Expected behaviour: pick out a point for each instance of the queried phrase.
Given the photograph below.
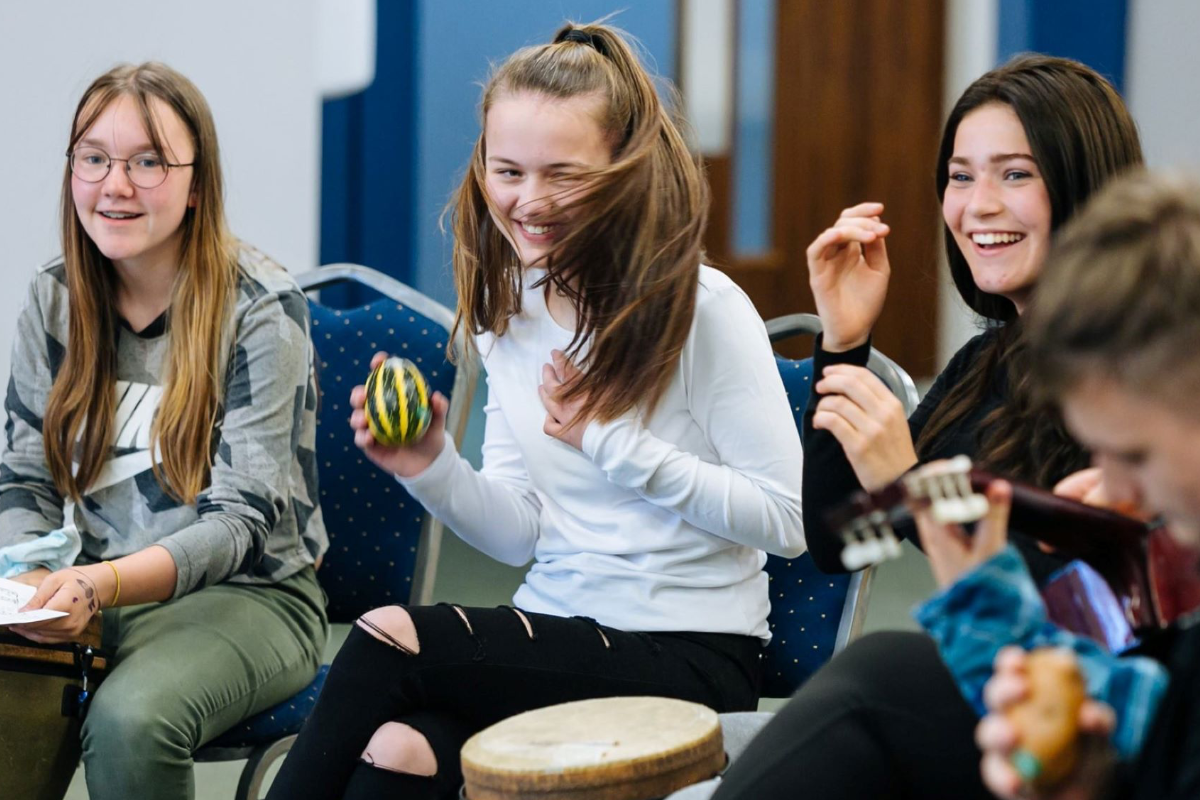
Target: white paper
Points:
(13, 595)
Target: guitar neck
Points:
(1078, 529)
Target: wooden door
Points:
(857, 116)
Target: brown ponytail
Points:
(630, 264)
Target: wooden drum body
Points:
(39, 745)
(619, 748)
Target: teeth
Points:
(117, 215)
(536, 230)
(996, 238)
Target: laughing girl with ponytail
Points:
(639, 448)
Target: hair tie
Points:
(582, 37)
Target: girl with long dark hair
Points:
(1023, 149)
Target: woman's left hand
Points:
(73, 590)
(952, 551)
(868, 421)
(562, 417)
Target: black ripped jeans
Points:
(470, 674)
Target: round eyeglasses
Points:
(145, 170)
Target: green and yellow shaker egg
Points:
(397, 403)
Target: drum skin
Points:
(618, 748)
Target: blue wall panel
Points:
(1091, 31)
(368, 158)
(753, 168)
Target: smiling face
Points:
(537, 149)
(1148, 450)
(134, 227)
(996, 204)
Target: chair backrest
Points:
(814, 615)
(383, 545)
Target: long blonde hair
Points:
(630, 261)
(82, 400)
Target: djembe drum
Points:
(44, 689)
(618, 748)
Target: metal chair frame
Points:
(858, 593)
(891, 373)
(259, 759)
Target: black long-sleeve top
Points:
(829, 479)
(1169, 766)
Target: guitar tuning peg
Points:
(977, 506)
(891, 545)
(948, 510)
(872, 551)
(971, 508)
(852, 556)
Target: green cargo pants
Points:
(189, 669)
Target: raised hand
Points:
(403, 461)
(868, 421)
(848, 272)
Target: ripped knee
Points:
(400, 748)
(525, 621)
(392, 625)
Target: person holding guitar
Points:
(1023, 148)
(1112, 340)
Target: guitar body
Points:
(1173, 575)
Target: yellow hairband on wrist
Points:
(117, 575)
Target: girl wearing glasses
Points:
(639, 447)
(159, 414)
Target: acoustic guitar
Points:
(1152, 579)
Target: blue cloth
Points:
(996, 605)
(56, 550)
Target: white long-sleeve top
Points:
(660, 523)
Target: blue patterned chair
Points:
(383, 546)
(814, 615)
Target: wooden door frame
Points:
(858, 93)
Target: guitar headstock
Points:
(946, 487)
(867, 521)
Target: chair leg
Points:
(255, 771)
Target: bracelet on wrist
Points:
(117, 575)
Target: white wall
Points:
(254, 61)
(1162, 80)
(972, 32)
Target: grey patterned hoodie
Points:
(258, 521)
